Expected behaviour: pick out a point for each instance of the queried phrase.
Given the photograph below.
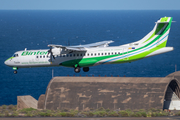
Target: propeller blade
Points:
(53, 56)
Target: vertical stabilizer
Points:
(159, 33)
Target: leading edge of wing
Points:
(83, 47)
(97, 44)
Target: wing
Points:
(83, 47)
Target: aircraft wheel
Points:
(85, 69)
(77, 69)
(15, 71)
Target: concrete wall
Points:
(26, 102)
(84, 93)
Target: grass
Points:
(11, 111)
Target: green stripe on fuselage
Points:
(141, 55)
(10, 58)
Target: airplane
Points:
(99, 53)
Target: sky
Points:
(89, 4)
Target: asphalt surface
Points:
(105, 118)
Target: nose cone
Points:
(6, 62)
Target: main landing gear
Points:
(77, 69)
(85, 69)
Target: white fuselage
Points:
(41, 58)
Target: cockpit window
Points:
(15, 55)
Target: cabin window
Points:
(81, 54)
(101, 53)
(77, 54)
(84, 54)
(70, 55)
(94, 54)
(98, 53)
(40, 56)
(119, 53)
(63, 55)
(36, 56)
(115, 53)
(108, 53)
(88, 54)
(112, 53)
(43, 56)
(91, 54)
(67, 55)
(74, 55)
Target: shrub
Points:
(177, 114)
(14, 108)
(149, 114)
(143, 113)
(90, 114)
(164, 113)
(113, 114)
(84, 114)
(123, 113)
(29, 114)
(74, 112)
(2, 115)
(6, 113)
(63, 114)
(36, 112)
(70, 114)
(15, 114)
(26, 110)
(10, 107)
(100, 113)
(46, 113)
(136, 114)
(4, 106)
(154, 114)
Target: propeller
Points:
(51, 53)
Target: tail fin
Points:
(159, 33)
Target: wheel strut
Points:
(77, 69)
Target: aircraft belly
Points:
(87, 62)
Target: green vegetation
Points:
(11, 111)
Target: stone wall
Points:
(85, 93)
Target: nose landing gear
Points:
(15, 70)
